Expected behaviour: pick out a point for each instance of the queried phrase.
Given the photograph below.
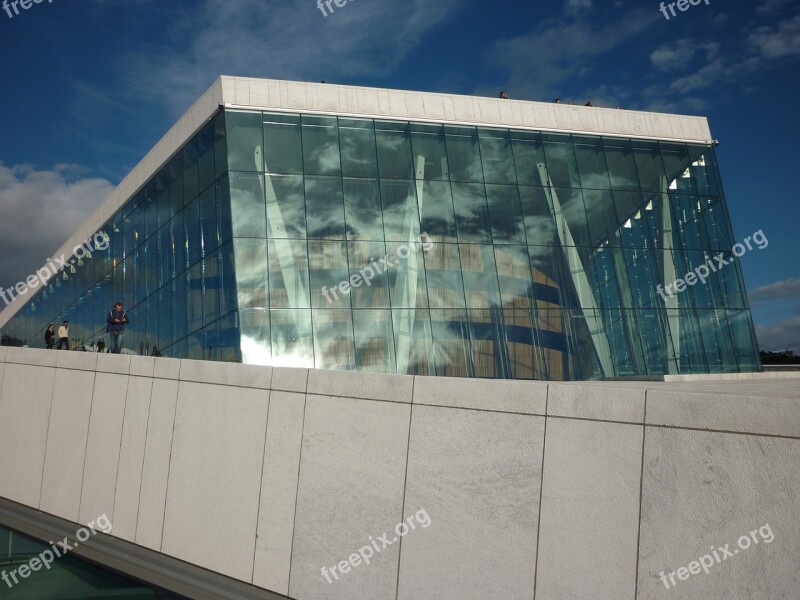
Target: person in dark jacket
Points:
(117, 319)
(50, 337)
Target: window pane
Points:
(292, 342)
(430, 154)
(497, 157)
(284, 149)
(327, 263)
(288, 274)
(400, 215)
(464, 154)
(592, 163)
(561, 166)
(333, 339)
(244, 141)
(505, 213)
(190, 171)
(394, 150)
(362, 206)
(205, 156)
(321, 146)
(472, 212)
(251, 273)
(438, 216)
(359, 154)
(286, 206)
(621, 164)
(325, 208)
(374, 341)
(247, 205)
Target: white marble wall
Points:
(532, 490)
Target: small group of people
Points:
(589, 103)
(116, 321)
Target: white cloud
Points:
(41, 209)
(280, 40)
(771, 7)
(781, 41)
(671, 57)
(541, 60)
(788, 288)
(574, 7)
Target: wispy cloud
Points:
(779, 41)
(280, 40)
(788, 288)
(539, 62)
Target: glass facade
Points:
(403, 247)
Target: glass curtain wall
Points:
(400, 247)
(389, 246)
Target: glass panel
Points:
(288, 274)
(292, 343)
(325, 208)
(362, 206)
(528, 155)
(195, 289)
(400, 214)
(359, 154)
(205, 156)
(176, 184)
(255, 337)
(244, 141)
(430, 154)
(514, 275)
(248, 205)
(450, 334)
(286, 206)
(190, 171)
(471, 212)
(497, 156)
(443, 270)
(540, 227)
(591, 163)
(365, 259)
(374, 341)
(394, 150)
(321, 146)
(649, 166)
(505, 213)
(333, 339)
(220, 145)
(207, 209)
(227, 281)
(621, 164)
(251, 273)
(330, 286)
(480, 276)
(438, 216)
(464, 154)
(561, 166)
(284, 148)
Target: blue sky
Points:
(89, 86)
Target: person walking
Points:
(117, 319)
(50, 337)
(63, 336)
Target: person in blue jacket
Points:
(117, 319)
